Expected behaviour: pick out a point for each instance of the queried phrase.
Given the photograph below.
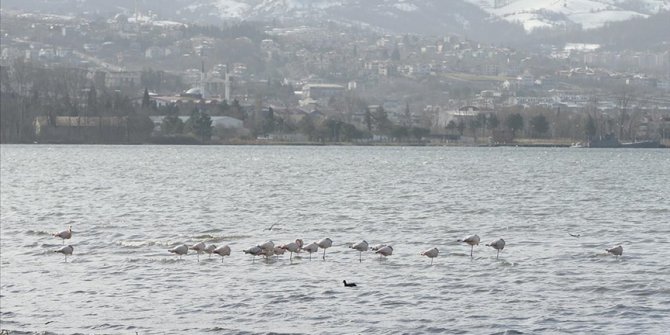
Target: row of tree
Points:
(266, 122)
(332, 130)
(28, 92)
(199, 124)
(478, 125)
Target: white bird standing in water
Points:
(210, 249)
(254, 251)
(268, 253)
(377, 247)
(267, 249)
(278, 250)
(311, 248)
(472, 240)
(617, 251)
(199, 248)
(360, 246)
(65, 234)
(291, 247)
(385, 251)
(431, 253)
(222, 251)
(66, 250)
(268, 246)
(325, 244)
(179, 250)
(498, 244)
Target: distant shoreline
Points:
(522, 144)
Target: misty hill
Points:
(641, 33)
(491, 21)
(418, 17)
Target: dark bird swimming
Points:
(349, 284)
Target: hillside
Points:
(491, 21)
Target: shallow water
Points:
(128, 204)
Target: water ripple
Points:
(128, 205)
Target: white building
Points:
(322, 91)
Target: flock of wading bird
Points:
(268, 249)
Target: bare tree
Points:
(623, 100)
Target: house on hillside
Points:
(322, 91)
(464, 114)
(122, 79)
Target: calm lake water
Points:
(128, 204)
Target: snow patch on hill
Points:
(406, 7)
(589, 14)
